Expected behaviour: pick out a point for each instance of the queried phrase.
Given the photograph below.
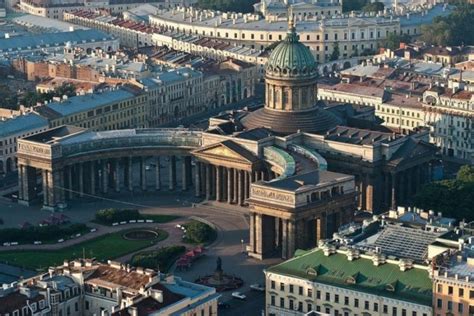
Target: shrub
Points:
(198, 232)
(113, 215)
(44, 233)
(161, 259)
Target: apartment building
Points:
(86, 288)
(347, 282)
(15, 125)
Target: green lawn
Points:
(106, 247)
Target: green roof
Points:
(387, 280)
(291, 57)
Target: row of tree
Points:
(31, 98)
(455, 197)
(453, 30)
(244, 6)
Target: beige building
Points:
(347, 282)
(112, 109)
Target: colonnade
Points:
(95, 177)
(225, 184)
(391, 188)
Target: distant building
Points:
(86, 288)
(55, 42)
(15, 125)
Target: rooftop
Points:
(386, 280)
(22, 123)
(307, 180)
(85, 102)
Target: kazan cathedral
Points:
(300, 168)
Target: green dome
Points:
(291, 58)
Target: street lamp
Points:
(242, 243)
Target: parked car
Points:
(257, 287)
(239, 295)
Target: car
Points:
(257, 287)
(239, 295)
(223, 305)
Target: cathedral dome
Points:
(291, 58)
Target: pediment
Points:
(225, 151)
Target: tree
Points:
(354, 5)
(452, 30)
(466, 174)
(452, 197)
(31, 98)
(374, 7)
(393, 40)
(335, 52)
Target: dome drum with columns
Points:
(291, 88)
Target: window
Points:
(272, 300)
(272, 285)
(450, 305)
(336, 298)
(460, 308)
(461, 292)
(346, 300)
(385, 309)
(87, 305)
(356, 302)
(394, 311)
(309, 307)
(292, 304)
(439, 303)
(300, 306)
(291, 288)
(282, 302)
(366, 305)
(282, 286)
(450, 288)
(310, 292)
(328, 297)
(404, 312)
(376, 307)
(471, 294)
(300, 290)
(318, 295)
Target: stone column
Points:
(236, 186)
(172, 173)
(129, 173)
(21, 176)
(284, 239)
(224, 183)
(230, 185)
(197, 179)
(184, 174)
(241, 188)
(70, 193)
(208, 181)
(218, 183)
(277, 232)
(44, 175)
(387, 190)
(417, 179)
(92, 171)
(143, 173)
(363, 196)
(116, 175)
(410, 173)
(81, 179)
(258, 234)
(252, 233)
(246, 184)
(105, 177)
(321, 227)
(291, 238)
(394, 191)
(157, 174)
(369, 193)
